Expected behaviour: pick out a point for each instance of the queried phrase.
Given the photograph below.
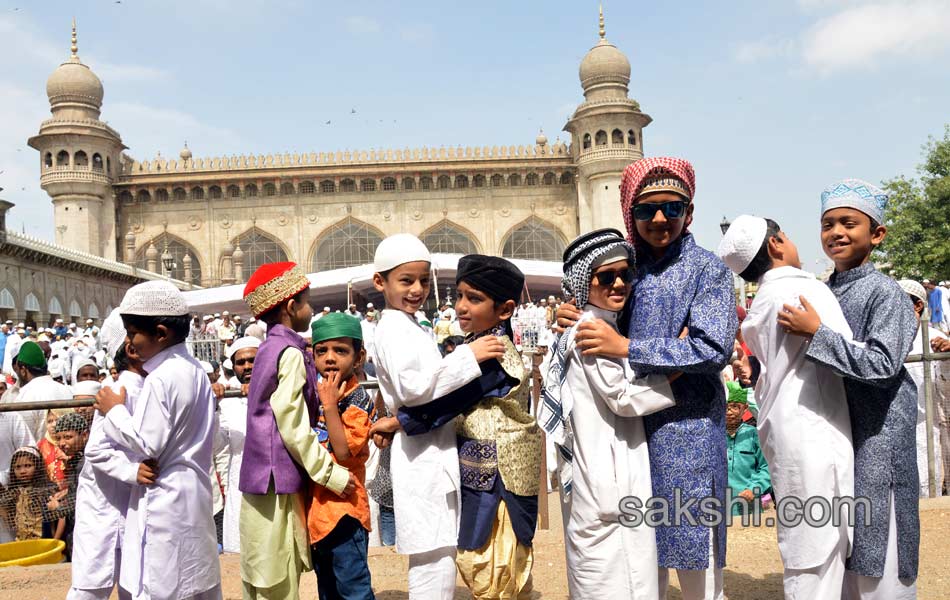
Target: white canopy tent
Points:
(334, 288)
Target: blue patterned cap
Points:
(857, 194)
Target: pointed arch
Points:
(259, 247)
(93, 311)
(449, 238)
(177, 247)
(31, 303)
(534, 239)
(347, 243)
(7, 301)
(74, 309)
(55, 306)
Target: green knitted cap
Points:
(31, 355)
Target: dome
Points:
(542, 139)
(151, 253)
(185, 153)
(604, 64)
(73, 81)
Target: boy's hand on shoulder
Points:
(330, 389)
(107, 399)
(487, 348)
(799, 321)
(596, 337)
(148, 472)
(567, 316)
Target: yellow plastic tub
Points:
(31, 552)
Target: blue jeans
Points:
(387, 525)
(340, 563)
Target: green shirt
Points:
(747, 467)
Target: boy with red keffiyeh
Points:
(677, 284)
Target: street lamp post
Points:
(168, 261)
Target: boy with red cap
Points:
(282, 453)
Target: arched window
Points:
(177, 248)
(531, 179)
(632, 137)
(62, 158)
(461, 181)
(6, 300)
(549, 178)
(368, 185)
(389, 184)
(125, 197)
(425, 183)
(478, 181)
(586, 141)
(80, 159)
(327, 186)
(534, 240)
(234, 191)
(347, 185)
(55, 307)
(307, 187)
(142, 196)
(497, 180)
(214, 192)
(75, 311)
(161, 194)
(259, 248)
(179, 194)
(616, 137)
(97, 162)
(32, 304)
(93, 311)
(408, 183)
(48, 159)
(448, 238)
(287, 188)
(346, 244)
(270, 189)
(250, 190)
(514, 180)
(567, 178)
(600, 138)
(445, 182)
(197, 193)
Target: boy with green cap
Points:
(748, 471)
(338, 526)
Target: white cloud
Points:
(763, 50)
(360, 24)
(862, 35)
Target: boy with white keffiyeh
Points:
(592, 409)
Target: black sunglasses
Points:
(607, 278)
(674, 209)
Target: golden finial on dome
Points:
(74, 48)
(603, 33)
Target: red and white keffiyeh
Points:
(638, 173)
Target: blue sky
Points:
(770, 99)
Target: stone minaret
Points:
(606, 132)
(79, 159)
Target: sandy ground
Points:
(753, 571)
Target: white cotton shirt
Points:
(916, 371)
(170, 547)
(102, 498)
(803, 422)
(425, 467)
(232, 432)
(37, 390)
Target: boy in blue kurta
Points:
(677, 284)
(882, 396)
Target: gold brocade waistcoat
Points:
(508, 423)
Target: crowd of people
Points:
(658, 390)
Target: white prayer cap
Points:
(207, 367)
(913, 288)
(236, 317)
(398, 250)
(925, 281)
(225, 314)
(72, 325)
(216, 315)
(86, 388)
(20, 326)
(55, 367)
(112, 333)
(254, 331)
(248, 341)
(227, 364)
(89, 321)
(157, 298)
(742, 242)
(326, 309)
(42, 338)
(369, 305)
(59, 320)
(83, 363)
(208, 317)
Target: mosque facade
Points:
(215, 219)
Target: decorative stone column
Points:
(130, 248)
(227, 276)
(238, 259)
(151, 258)
(186, 265)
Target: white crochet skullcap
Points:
(227, 364)
(742, 242)
(248, 341)
(112, 333)
(86, 388)
(913, 288)
(157, 298)
(207, 367)
(55, 367)
(399, 249)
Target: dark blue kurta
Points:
(882, 400)
(688, 287)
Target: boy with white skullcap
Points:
(169, 540)
(412, 372)
(803, 421)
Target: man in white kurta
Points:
(37, 389)
(169, 550)
(102, 499)
(605, 558)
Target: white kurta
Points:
(102, 498)
(606, 559)
(37, 390)
(916, 371)
(803, 421)
(425, 468)
(10, 351)
(233, 428)
(170, 548)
